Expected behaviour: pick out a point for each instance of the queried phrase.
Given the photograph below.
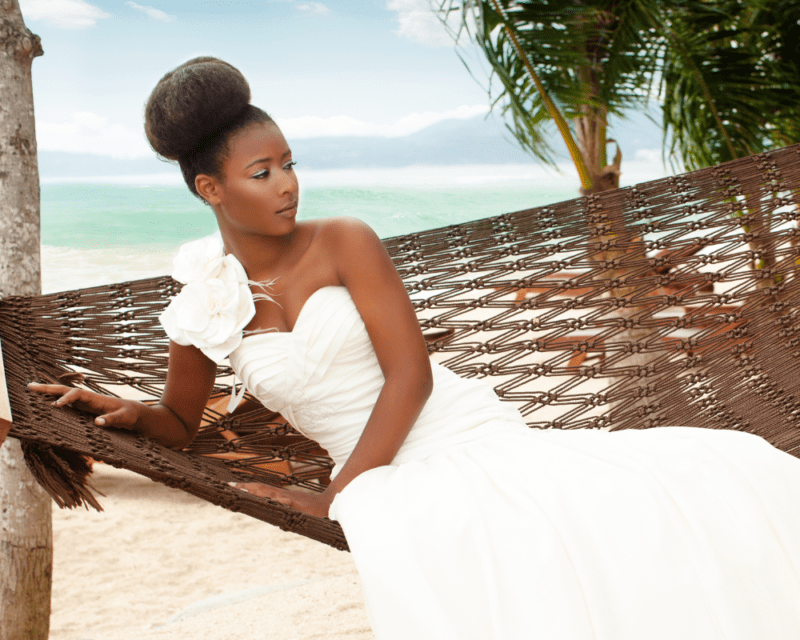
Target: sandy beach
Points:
(159, 564)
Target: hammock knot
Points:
(697, 225)
(601, 230)
(595, 400)
(644, 371)
(627, 323)
(689, 345)
(750, 236)
(681, 323)
(646, 391)
(642, 411)
(540, 369)
(130, 353)
(545, 398)
(121, 304)
(171, 290)
(741, 348)
(634, 347)
(577, 323)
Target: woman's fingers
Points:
(66, 395)
(111, 412)
(49, 389)
(265, 491)
(256, 488)
(315, 504)
(73, 395)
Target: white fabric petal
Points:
(169, 321)
(198, 260)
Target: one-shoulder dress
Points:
(482, 528)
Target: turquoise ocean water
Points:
(101, 233)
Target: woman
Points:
(463, 522)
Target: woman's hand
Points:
(315, 504)
(110, 412)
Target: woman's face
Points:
(258, 193)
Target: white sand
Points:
(161, 564)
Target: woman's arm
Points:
(382, 301)
(364, 267)
(173, 422)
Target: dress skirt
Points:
(662, 534)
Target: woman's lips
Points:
(288, 212)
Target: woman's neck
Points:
(262, 257)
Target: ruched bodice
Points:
(484, 529)
(324, 377)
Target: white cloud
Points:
(418, 22)
(317, 8)
(649, 155)
(88, 132)
(318, 127)
(152, 12)
(67, 14)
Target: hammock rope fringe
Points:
(674, 302)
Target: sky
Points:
(335, 68)
(339, 67)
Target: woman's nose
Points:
(288, 181)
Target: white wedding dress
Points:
(482, 528)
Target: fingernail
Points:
(233, 484)
(100, 421)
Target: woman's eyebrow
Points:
(288, 152)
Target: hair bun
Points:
(190, 104)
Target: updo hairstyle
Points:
(192, 113)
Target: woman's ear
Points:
(208, 188)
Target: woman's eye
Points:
(261, 174)
(289, 165)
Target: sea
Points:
(106, 230)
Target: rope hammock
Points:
(674, 302)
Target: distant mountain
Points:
(475, 141)
(480, 140)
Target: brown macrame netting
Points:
(674, 302)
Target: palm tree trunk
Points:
(26, 541)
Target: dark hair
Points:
(194, 110)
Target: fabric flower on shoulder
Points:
(198, 260)
(215, 304)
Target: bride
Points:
(463, 523)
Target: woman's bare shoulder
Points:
(338, 245)
(344, 234)
(341, 227)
